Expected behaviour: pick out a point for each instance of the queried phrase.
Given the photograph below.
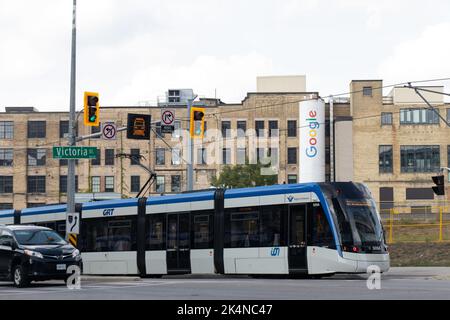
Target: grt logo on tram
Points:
(311, 150)
(108, 212)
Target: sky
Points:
(133, 51)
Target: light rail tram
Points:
(310, 229)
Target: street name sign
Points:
(74, 152)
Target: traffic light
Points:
(138, 126)
(91, 109)
(439, 189)
(197, 122)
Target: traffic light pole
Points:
(72, 119)
(190, 147)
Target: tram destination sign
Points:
(74, 152)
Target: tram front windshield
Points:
(356, 215)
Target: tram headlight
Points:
(76, 254)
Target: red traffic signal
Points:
(439, 181)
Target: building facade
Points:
(393, 144)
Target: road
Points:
(398, 283)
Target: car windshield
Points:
(38, 237)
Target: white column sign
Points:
(312, 141)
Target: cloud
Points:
(233, 76)
(424, 57)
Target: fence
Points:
(416, 221)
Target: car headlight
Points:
(76, 254)
(33, 254)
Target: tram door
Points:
(178, 250)
(297, 239)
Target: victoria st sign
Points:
(74, 152)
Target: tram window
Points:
(116, 234)
(202, 231)
(321, 231)
(271, 225)
(157, 233)
(119, 235)
(344, 226)
(244, 228)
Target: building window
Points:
(367, 91)
(6, 157)
(97, 160)
(135, 183)
(160, 156)
(176, 158)
(385, 159)
(420, 158)
(96, 130)
(292, 155)
(109, 157)
(201, 156)
(6, 184)
(259, 127)
(176, 129)
(158, 130)
(292, 178)
(226, 129)
(273, 155)
(160, 184)
(419, 116)
(386, 118)
(6, 206)
(37, 157)
(386, 199)
(135, 159)
(36, 129)
(448, 116)
(241, 128)
(241, 155)
(226, 156)
(109, 184)
(260, 155)
(273, 128)
(6, 130)
(63, 184)
(419, 194)
(292, 128)
(448, 161)
(176, 183)
(63, 129)
(36, 184)
(95, 184)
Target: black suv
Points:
(30, 253)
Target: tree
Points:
(242, 176)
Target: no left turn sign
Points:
(109, 131)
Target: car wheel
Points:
(20, 277)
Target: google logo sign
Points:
(313, 124)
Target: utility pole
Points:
(190, 147)
(72, 119)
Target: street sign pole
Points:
(72, 124)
